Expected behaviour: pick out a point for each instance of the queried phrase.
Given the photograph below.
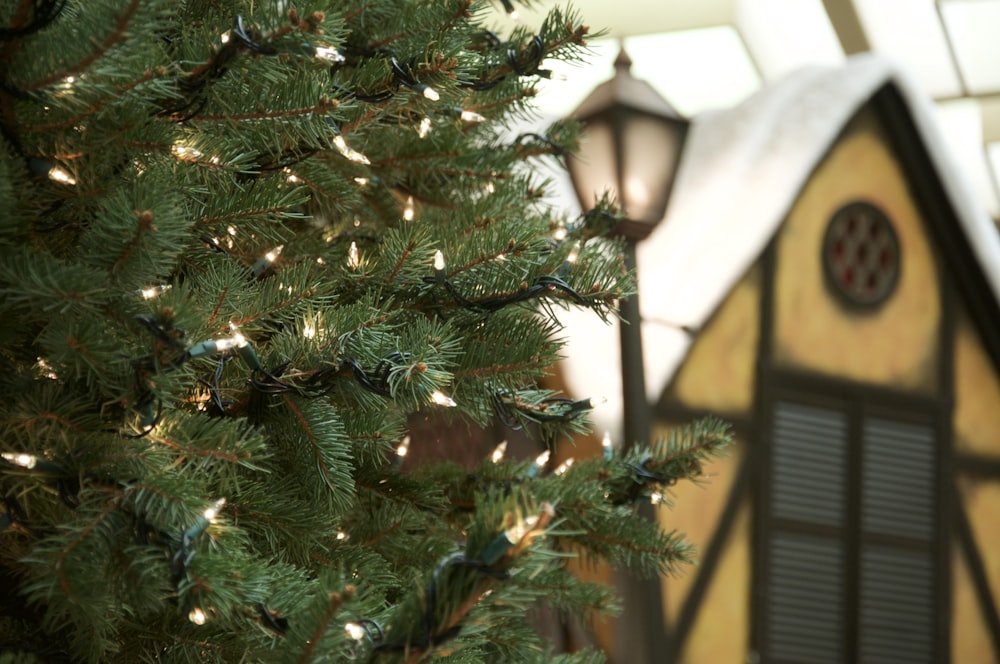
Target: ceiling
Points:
(705, 54)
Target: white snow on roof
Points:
(741, 171)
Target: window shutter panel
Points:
(805, 622)
(898, 471)
(897, 606)
(809, 467)
(897, 584)
(809, 464)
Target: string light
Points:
(308, 331)
(521, 528)
(28, 461)
(424, 128)
(341, 536)
(272, 255)
(329, 54)
(559, 234)
(574, 254)
(265, 261)
(539, 464)
(355, 631)
(404, 447)
(471, 116)
(429, 92)
(515, 534)
(186, 152)
(439, 263)
(290, 176)
(607, 446)
(213, 511)
(564, 466)
(224, 37)
(408, 210)
(353, 259)
(153, 291)
(58, 174)
(499, 451)
(65, 87)
(656, 498)
(197, 616)
(362, 181)
(47, 369)
(345, 150)
(236, 341)
(442, 399)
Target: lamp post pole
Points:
(631, 145)
(645, 639)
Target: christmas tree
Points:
(253, 253)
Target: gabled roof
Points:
(741, 171)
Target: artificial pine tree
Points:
(244, 242)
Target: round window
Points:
(861, 254)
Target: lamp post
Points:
(631, 145)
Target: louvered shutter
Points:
(896, 618)
(805, 594)
(806, 616)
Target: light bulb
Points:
(308, 331)
(656, 498)
(424, 128)
(272, 255)
(24, 460)
(224, 37)
(353, 259)
(213, 511)
(607, 446)
(564, 466)
(329, 54)
(355, 631)
(521, 528)
(57, 174)
(431, 93)
(349, 152)
(404, 446)
(438, 260)
(542, 458)
(442, 399)
(362, 181)
(341, 536)
(197, 616)
(408, 210)
(471, 116)
(574, 254)
(499, 451)
(153, 291)
(186, 152)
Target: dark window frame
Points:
(858, 401)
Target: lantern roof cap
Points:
(625, 90)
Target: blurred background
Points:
(824, 274)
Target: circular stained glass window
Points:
(861, 254)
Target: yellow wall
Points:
(976, 418)
(970, 636)
(896, 344)
(975, 423)
(719, 371)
